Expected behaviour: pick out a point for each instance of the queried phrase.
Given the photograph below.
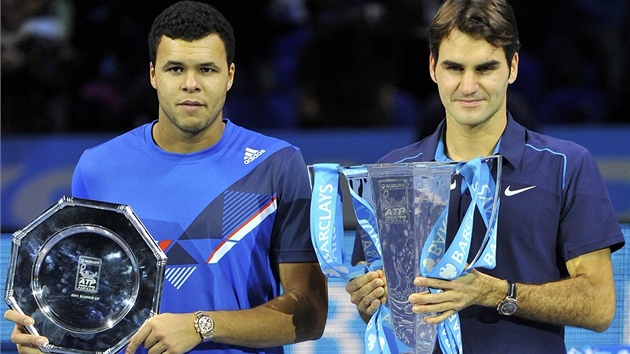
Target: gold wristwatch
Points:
(204, 326)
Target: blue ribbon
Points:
(327, 224)
(326, 211)
(365, 215)
(448, 264)
(380, 332)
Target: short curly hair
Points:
(190, 21)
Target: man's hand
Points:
(166, 333)
(368, 292)
(26, 343)
(473, 288)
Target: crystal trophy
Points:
(410, 202)
(89, 274)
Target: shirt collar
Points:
(513, 143)
(510, 146)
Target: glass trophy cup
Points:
(89, 274)
(408, 200)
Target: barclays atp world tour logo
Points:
(395, 200)
(88, 274)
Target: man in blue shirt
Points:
(556, 228)
(228, 206)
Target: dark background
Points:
(82, 65)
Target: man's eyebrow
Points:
(210, 63)
(179, 63)
(488, 63)
(451, 63)
(171, 63)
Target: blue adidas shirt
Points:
(554, 207)
(222, 215)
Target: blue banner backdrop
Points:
(36, 170)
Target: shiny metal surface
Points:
(88, 272)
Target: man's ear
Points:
(432, 67)
(513, 69)
(231, 76)
(152, 74)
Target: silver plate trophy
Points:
(89, 274)
(410, 202)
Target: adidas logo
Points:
(252, 154)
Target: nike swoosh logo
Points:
(509, 192)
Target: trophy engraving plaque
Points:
(89, 274)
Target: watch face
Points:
(206, 325)
(507, 308)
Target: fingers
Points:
(452, 296)
(132, 346)
(28, 349)
(361, 286)
(137, 339)
(426, 302)
(371, 307)
(21, 338)
(367, 291)
(18, 318)
(432, 320)
(355, 285)
(26, 342)
(433, 283)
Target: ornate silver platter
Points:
(89, 274)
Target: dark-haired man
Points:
(227, 205)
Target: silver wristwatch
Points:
(204, 326)
(508, 306)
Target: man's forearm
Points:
(577, 302)
(287, 319)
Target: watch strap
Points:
(509, 305)
(511, 293)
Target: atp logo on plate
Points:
(88, 272)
